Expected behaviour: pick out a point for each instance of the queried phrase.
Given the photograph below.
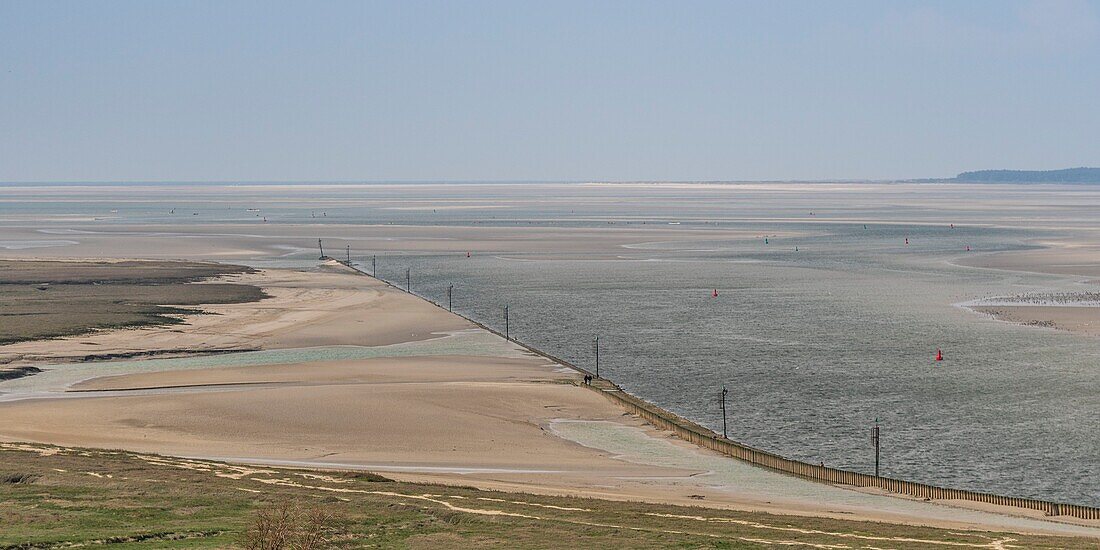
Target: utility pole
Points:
(322, 249)
(507, 336)
(374, 266)
(349, 254)
(875, 441)
(597, 346)
(725, 434)
(408, 280)
(450, 290)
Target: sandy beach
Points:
(429, 398)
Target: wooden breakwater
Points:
(699, 435)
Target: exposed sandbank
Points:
(1082, 320)
(221, 241)
(1072, 258)
(48, 299)
(491, 420)
(305, 309)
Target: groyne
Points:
(704, 437)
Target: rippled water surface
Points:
(814, 349)
(816, 336)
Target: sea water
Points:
(814, 350)
(815, 345)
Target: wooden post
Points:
(408, 280)
(349, 254)
(875, 441)
(374, 266)
(450, 291)
(725, 434)
(322, 249)
(597, 356)
(507, 335)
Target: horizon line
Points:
(464, 181)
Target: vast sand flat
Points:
(489, 422)
(306, 309)
(498, 419)
(266, 241)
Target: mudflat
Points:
(48, 299)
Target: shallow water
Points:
(813, 351)
(743, 479)
(814, 344)
(55, 379)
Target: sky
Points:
(513, 90)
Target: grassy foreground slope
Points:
(53, 497)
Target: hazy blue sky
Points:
(544, 90)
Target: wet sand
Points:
(220, 241)
(1081, 320)
(1079, 258)
(499, 418)
(318, 307)
(1070, 257)
(446, 413)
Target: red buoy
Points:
(467, 254)
(939, 355)
(715, 295)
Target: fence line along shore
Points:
(699, 435)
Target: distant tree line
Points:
(1067, 175)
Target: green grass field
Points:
(52, 497)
